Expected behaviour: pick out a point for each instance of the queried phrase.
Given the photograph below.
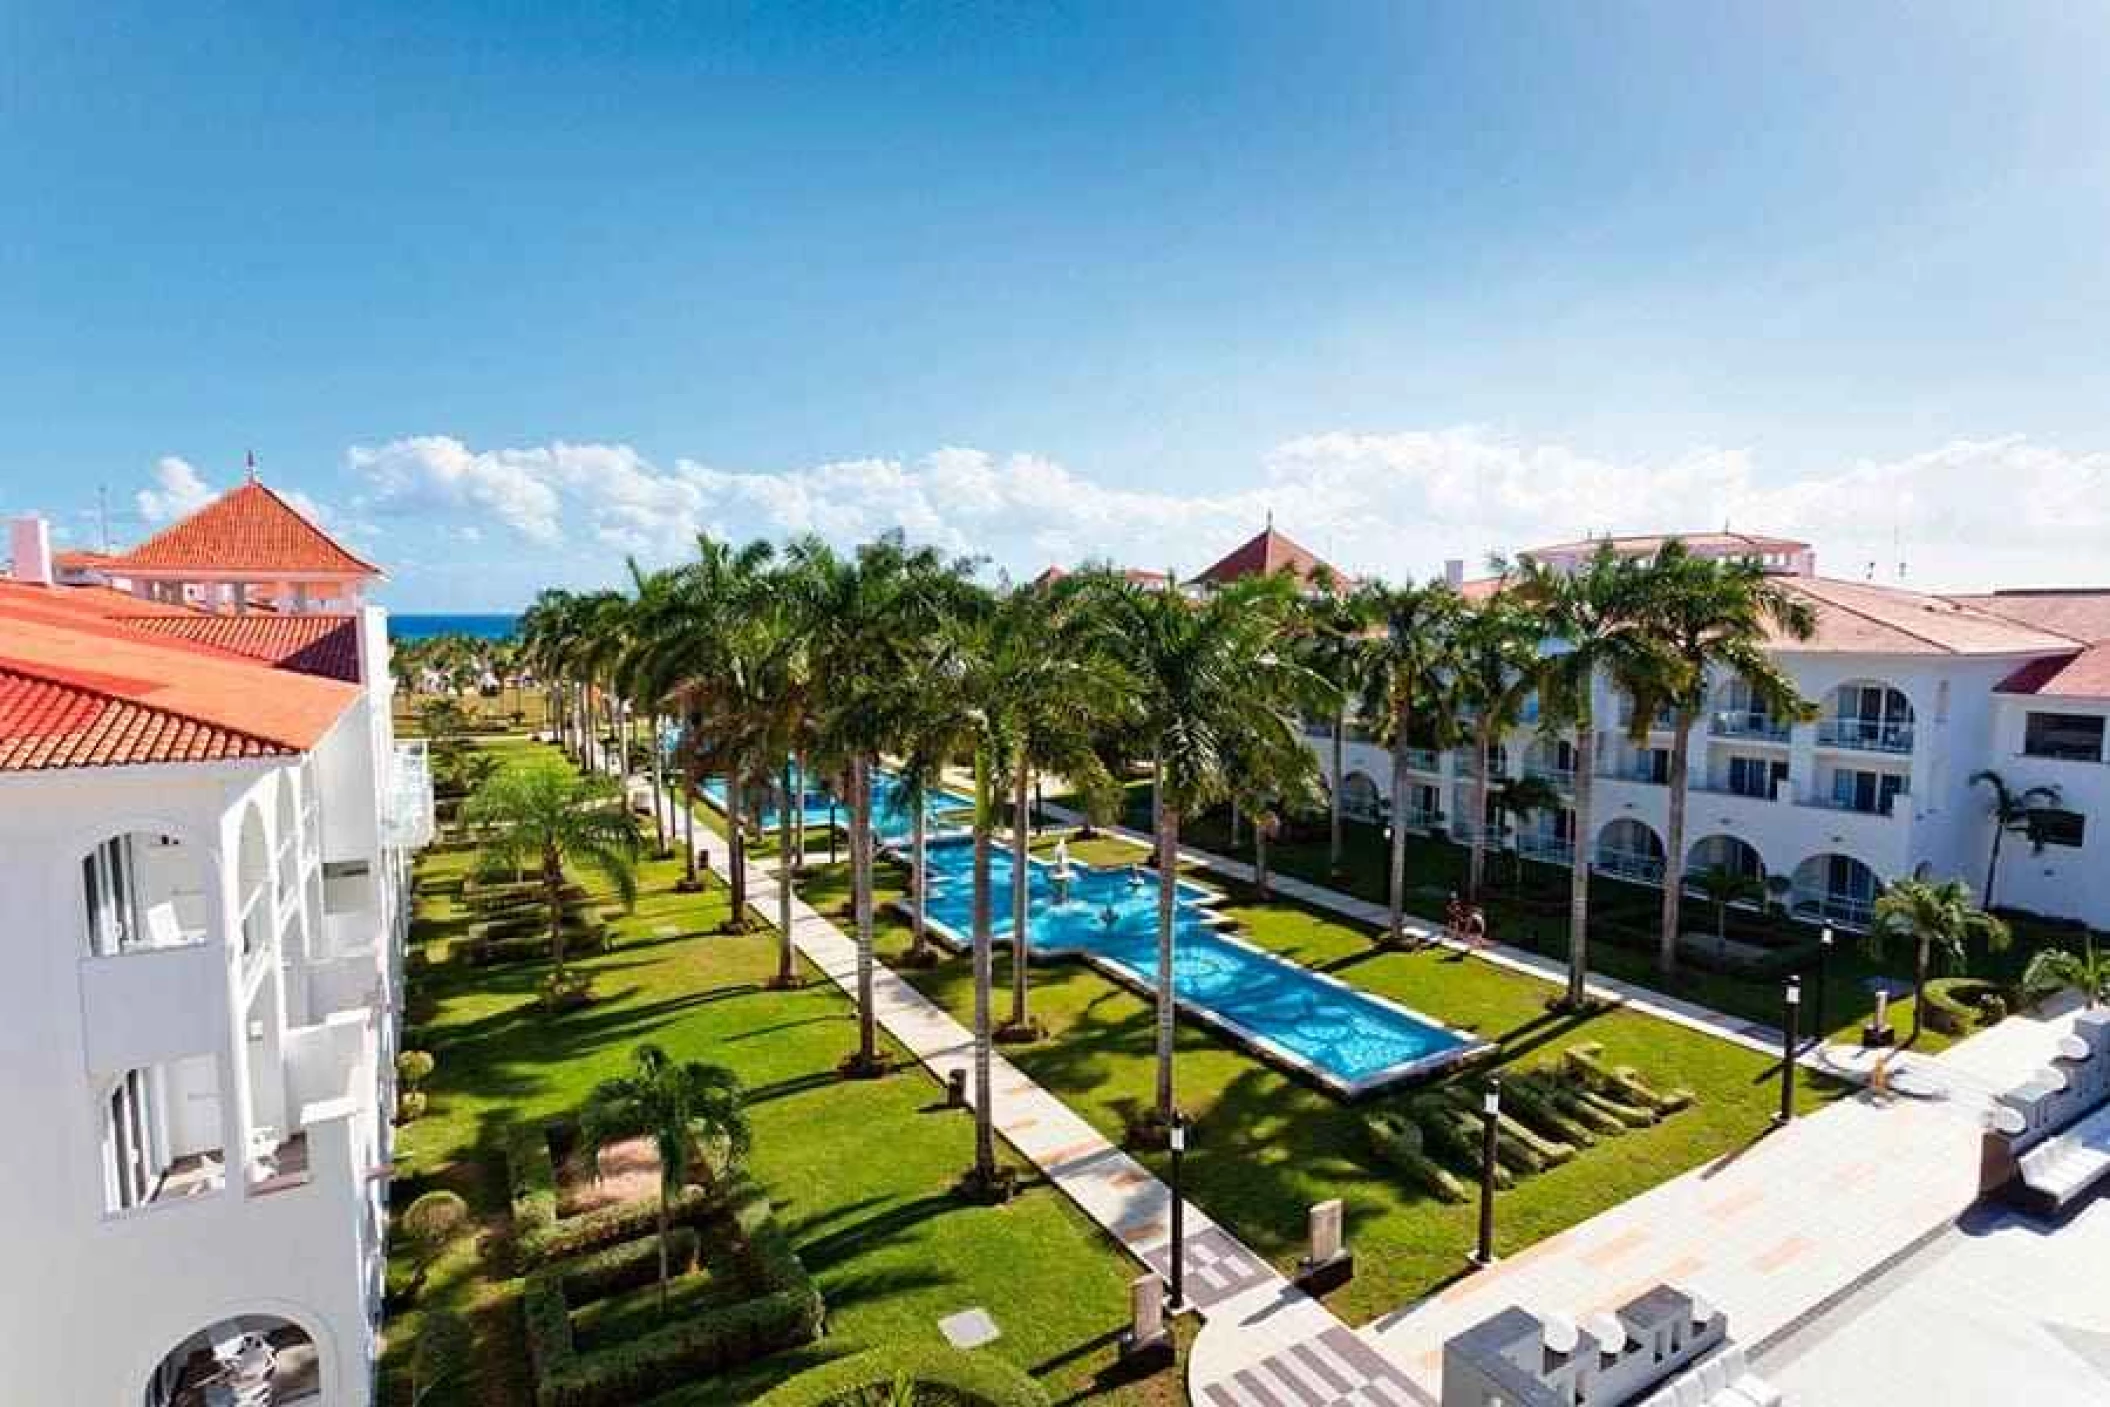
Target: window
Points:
(2056, 827)
(1756, 776)
(107, 885)
(2077, 737)
(1655, 765)
(1872, 792)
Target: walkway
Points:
(1770, 1234)
(1251, 1312)
(1750, 1034)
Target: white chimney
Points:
(31, 545)
(1454, 572)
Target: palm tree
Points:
(687, 1109)
(1206, 681)
(1404, 666)
(1493, 676)
(1711, 617)
(1521, 798)
(2020, 812)
(1595, 615)
(1270, 780)
(1939, 920)
(865, 615)
(2086, 971)
(1333, 629)
(542, 814)
(1724, 886)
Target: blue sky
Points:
(506, 294)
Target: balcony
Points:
(1549, 849)
(1750, 726)
(1463, 831)
(1422, 819)
(1883, 806)
(1636, 865)
(1865, 735)
(1665, 720)
(1469, 763)
(1562, 778)
(408, 822)
(1630, 772)
(1819, 906)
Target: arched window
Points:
(1835, 888)
(1360, 797)
(1629, 849)
(1722, 852)
(1869, 716)
(254, 1358)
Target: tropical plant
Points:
(1724, 886)
(541, 814)
(1712, 617)
(1332, 641)
(1206, 681)
(1940, 920)
(1596, 616)
(2017, 812)
(430, 1225)
(2087, 972)
(1518, 799)
(692, 1112)
(1404, 667)
(1493, 675)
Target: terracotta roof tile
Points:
(2081, 613)
(1863, 618)
(249, 529)
(48, 723)
(2077, 676)
(1699, 542)
(1264, 554)
(322, 645)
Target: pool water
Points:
(1347, 1038)
(892, 816)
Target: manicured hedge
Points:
(486, 946)
(968, 1379)
(1955, 1005)
(625, 1266)
(783, 1309)
(539, 1234)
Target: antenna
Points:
(252, 466)
(102, 514)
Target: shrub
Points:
(627, 1265)
(410, 1106)
(565, 992)
(414, 1067)
(968, 1379)
(440, 1354)
(1955, 1004)
(1397, 1141)
(785, 1309)
(539, 1235)
(430, 1226)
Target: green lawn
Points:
(859, 1171)
(1267, 1146)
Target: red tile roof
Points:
(2082, 613)
(1855, 617)
(1135, 576)
(1265, 554)
(1698, 542)
(2081, 676)
(46, 723)
(324, 646)
(250, 529)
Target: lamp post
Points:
(1824, 966)
(1178, 1135)
(1491, 1117)
(1791, 1005)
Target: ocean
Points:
(424, 627)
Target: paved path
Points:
(1769, 1234)
(1751, 1034)
(1251, 1313)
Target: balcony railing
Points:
(1883, 806)
(1535, 845)
(1629, 772)
(408, 824)
(1422, 819)
(1849, 910)
(1462, 832)
(1424, 759)
(1764, 727)
(1469, 763)
(1561, 777)
(1664, 721)
(1636, 865)
(1865, 734)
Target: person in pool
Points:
(1135, 875)
(1108, 916)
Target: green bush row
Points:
(626, 1265)
(783, 1309)
(540, 1235)
(968, 1379)
(485, 948)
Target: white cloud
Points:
(1396, 504)
(178, 491)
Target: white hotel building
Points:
(1918, 693)
(205, 826)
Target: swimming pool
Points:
(1346, 1039)
(892, 818)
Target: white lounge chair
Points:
(1745, 1384)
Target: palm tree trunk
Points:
(1333, 816)
(1992, 866)
(688, 828)
(1396, 878)
(553, 884)
(736, 848)
(1579, 870)
(861, 905)
(984, 1113)
(1260, 856)
(663, 1249)
(798, 822)
(918, 877)
(786, 868)
(1674, 843)
(659, 793)
(1920, 958)
(1234, 824)
(1021, 878)
(1476, 867)
(1168, 890)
